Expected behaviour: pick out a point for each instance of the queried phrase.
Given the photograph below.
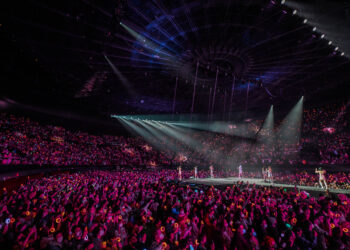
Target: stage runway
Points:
(259, 182)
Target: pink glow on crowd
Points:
(23, 141)
(143, 210)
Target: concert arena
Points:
(161, 125)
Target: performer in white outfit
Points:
(240, 172)
(322, 179)
(211, 169)
(195, 172)
(269, 174)
(180, 173)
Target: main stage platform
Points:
(258, 182)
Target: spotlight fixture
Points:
(283, 1)
(342, 54)
(314, 29)
(330, 42)
(336, 48)
(322, 36)
(294, 12)
(305, 20)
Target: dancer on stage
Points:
(240, 172)
(211, 169)
(180, 173)
(269, 174)
(195, 172)
(322, 179)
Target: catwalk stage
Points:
(259, 182)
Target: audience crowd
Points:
(142, 209)
(324, 129)
(327, 128)
(150, 210)
(23, 141)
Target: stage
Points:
(258, 182)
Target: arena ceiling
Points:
(79, 55)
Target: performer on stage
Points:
(180, 173)
(322, 179)
(240, 172)
(195, 172)
(211, 169)
(269, 174)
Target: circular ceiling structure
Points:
(125, 56)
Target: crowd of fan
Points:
(327, 128)
(23, 141)
(148, 210)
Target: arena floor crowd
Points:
(149, 210)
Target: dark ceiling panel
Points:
(257, 42)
